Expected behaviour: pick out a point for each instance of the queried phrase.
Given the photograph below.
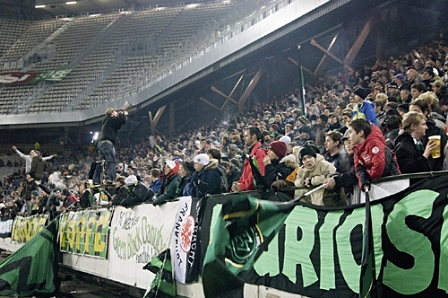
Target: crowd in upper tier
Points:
(382, 120)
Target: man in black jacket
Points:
(106, 150)
(137, 192)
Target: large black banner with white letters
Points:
(317, 251)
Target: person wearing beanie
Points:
(170, 183)
(273, 131)
(315, 170)
(137, 192)
(403, 108)
(276, 167)
(206, 179)
(363, 109)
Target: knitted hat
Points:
(305, 129)
(278, 147)
(306, 150)
(400, 77)
(392, 85)
(285, 139)
(275, 126)
(303, 119)
(35, 193)
(403, 107)
(324, 118)
(202, 159)
(130, 180)
(361, 92)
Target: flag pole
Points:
(301, 82)
(308, 193)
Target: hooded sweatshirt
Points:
(371, 155)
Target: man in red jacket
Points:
(256, 154)
(372, 158)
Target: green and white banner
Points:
(317, 251)
(52, 75)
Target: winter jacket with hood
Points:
(207, 181)
(169, 188)
(373, 159)
(256, 155)
(37, 168)
(321, 171)
(279, 169)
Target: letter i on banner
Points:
(367, 280)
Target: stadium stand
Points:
(106, 52)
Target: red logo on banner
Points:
(186, 233)
(17, 77)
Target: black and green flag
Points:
(244, 228)
(33, 269)
(163, 284)
(396, 246)
(367, 280)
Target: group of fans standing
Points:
(379, 121)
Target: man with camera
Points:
(106, 150)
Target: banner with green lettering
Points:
(25, 228)
(85, 232)
(52, 75)
(317, 251)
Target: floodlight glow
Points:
(70, 2)
(39, 6)
(192, 5)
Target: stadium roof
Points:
(70, 7)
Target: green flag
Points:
(367, 279)
(163, 284)
(33, 269)
(244, 228)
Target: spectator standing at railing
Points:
(170, 183)
(206, 179)
(315, 170)
(372, 158)
(86, 196)
(412, 156)
(277, 167)
(137, 192)
(255, 154)
(121, 191)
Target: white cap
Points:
(171, 164)
(202, 159)
(285, 139)
(131, 179)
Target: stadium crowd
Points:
(357, 126)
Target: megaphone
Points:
(126, 106)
